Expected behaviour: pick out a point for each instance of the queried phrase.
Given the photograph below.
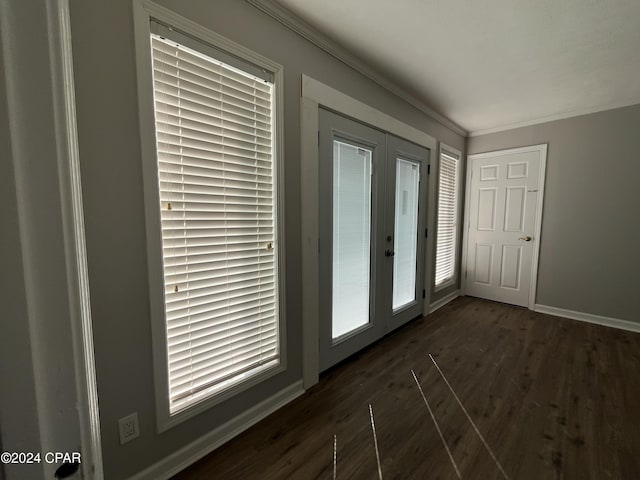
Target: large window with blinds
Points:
(217, 222)
(447, 222)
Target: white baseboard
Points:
(588, 317)
(443, 301)
(191, 453)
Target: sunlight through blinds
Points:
(215, 172)
(447, 218)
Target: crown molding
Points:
(320, 40)
(553, 118)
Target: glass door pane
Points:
(406, 232)
(351, 233)
(351, 237)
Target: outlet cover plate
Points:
(128, 428)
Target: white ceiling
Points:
(493, 64)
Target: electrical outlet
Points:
(128, 428)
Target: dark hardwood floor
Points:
(553, 398)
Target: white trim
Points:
(194, 451)
(310, 238)
(429, 260)
(450, 149)
(465, 228)
(64, 106)
(509, 151)
(538, 229)
(59, 405)
(542, 149)
(460, 214)
(443, 301)
(447, 283)
(339, 102)
(320, 40)
(552, 118)
(144, 12)
(589, 318)
(314, 95)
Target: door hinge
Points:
(466, 272)
(426, 233)
(318, 138)
(424, 293)
(429, 169)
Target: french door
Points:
(373, 193)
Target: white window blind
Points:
(215, 173)
(447, 218)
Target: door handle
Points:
(389, 253)
(526, 239)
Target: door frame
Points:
(542, 151)
(314, 95)
(56, 335)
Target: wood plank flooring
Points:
(553, 398)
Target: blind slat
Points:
(169, 49)
(242, 336)
(188, 336)
(214, 139)
(447, 218)
(213, 376)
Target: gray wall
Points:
(17, 432)
(589, 254)
(105, 78)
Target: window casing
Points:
(447, 218)
(212, 188)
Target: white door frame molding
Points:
(315, 95)
(74, 236)
(58, 339)
(542, 151)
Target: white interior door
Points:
(503, 221)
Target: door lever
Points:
(389, 253)
(526, 239)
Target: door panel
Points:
(487, 209)
(406, 219)
(502, 213)
(351, 192)
(510, 269)
(484, 260)
(372, 218)
(514, 209)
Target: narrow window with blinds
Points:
(447, 223)
(215, 156)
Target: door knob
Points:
(389, 253)
(526, 239)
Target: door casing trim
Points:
(542, 150)
(56, 334)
